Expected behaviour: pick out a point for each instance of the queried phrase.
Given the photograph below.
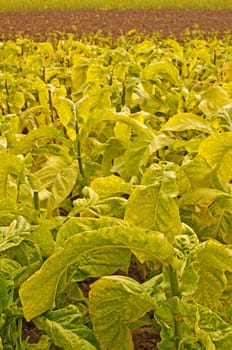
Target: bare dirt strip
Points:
(40, 24)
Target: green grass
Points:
(112, 4)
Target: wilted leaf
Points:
(95, 253)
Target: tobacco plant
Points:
(113, 157)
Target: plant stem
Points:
(174, 283)
(36, 200)
(7, 99)
(50, 105)
(79, 159)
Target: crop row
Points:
(112, 156)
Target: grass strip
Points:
(113, 4)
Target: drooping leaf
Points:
(44, 133)
(95, 253)
(152, 71)
(124, 302)
(80, 224)
(187, 121)
(203, 196)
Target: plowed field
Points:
(39, 24)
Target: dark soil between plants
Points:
(40, 24)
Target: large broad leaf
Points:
(62, 186)
(193, 175)
(124, 301)
(42, 235)
(143, 147)
(11, 167)
(213, 99)
(80, 224)
(66, 329)
(110, 185)
(187, 121)
(49, 171)
(210, 211)
(97, 73)
(78, 75)
(66, 112)
(113, 149)
(220, 228)
(204, 277)
(152, 71)
(44, 134)
(217, 150)
(112, 206)
(95, 253)
(203, 196)
(98, 99)
(154, 208)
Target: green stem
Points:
(50, 105)
(7, 99)
(174, 283)
(79, 159)
(36, 200)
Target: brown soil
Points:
(39, 24)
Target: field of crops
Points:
(115, 193)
